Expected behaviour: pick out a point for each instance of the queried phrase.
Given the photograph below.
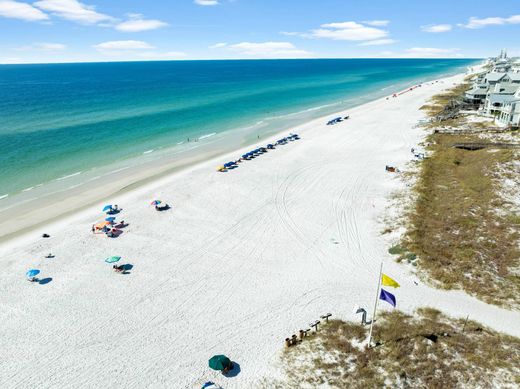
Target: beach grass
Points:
(460, 226)
(438, 102)
(464, 231)
(424, 350)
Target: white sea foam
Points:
(149, 151)
(388, 87)
(69, 176)
(3, 196)
(119, 170)
(28, 189)
(207, 135)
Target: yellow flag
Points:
(387, 281)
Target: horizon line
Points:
(234, 59)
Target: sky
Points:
(41, 31)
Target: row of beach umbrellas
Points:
(30, 274)
(258, 151)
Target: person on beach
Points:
(93, 229)
(118, 269)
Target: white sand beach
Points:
(243, 260)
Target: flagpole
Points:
(375, 304)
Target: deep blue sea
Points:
(63, 120)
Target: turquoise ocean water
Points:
(68, 121)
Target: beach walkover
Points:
(240, 262)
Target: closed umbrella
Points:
(219, 362)
(112, 259)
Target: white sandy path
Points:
(243, 260)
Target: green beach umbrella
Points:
(112, 259)
(219, 362)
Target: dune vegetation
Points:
(426, 350)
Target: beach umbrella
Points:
(112, 259)
(110, 219)
(156, 202)
(219, 362)
(32, 273)
(99, 226)
(107, 208)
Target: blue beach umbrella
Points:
(32, 273)
(110, 219)
(107, 208)
(156, 202)
(112, 259)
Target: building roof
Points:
(476, 91)
(495, 98)
(505, 89)
(494, 76)
(514, 76)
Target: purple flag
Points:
(388, 297)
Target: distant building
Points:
(497, 91)
(498, 95)
(509, 113)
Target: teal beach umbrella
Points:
(112, 259)
(219, 362)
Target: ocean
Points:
(62, 125)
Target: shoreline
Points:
(17, 220)
(286, 237)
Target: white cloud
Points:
(23, 11)
(153, 55)
(73, 10)
(474, 23)
(427, 52)
(136, 50)
(50, 46)
(123, 45)
(436, 28)
(206, 2)
(291, 33)
(266, 50)
(378, 42)
(42, 46)
(218, 45)
(137, 23)
(11, 60)
(423, 52)
(348, 31)
(377, 23)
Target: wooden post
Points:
(326, 317)
(465, 321)
(287, 342)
